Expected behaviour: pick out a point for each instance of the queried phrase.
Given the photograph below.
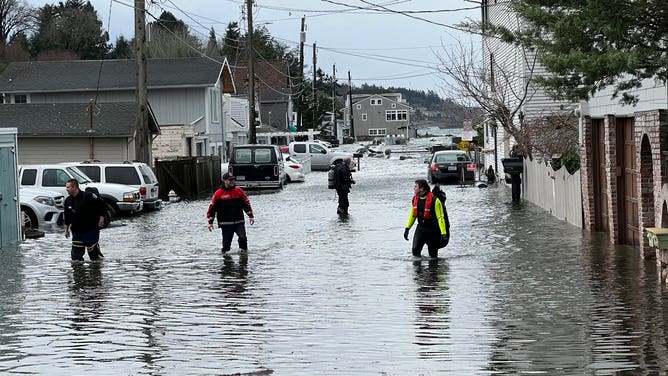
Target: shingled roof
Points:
(72, 119)
(82, 75)
(273, 76)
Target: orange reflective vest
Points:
(427, 206)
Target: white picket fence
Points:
(558, 192)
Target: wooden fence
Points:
(558, 191)
(190, 177)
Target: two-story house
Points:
(185, 95)
(379, 115)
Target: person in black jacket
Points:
(344, 180)
(84, 217)
(229, 203)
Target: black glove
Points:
(445, 239)
(406, 233)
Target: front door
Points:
(629, 232)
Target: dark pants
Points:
(516, 187)
(228, 234)
(343, 201)
(83, 240)
(427, 236)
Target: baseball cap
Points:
(228, 176)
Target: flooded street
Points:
(515, 292)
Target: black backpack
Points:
(96, 194)
(438, 192)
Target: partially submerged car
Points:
(40, 207)
(293, 169)
(451, 166)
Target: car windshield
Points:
(79, 175)
(451, 157)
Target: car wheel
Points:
(29, 218)
(287, 179)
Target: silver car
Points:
(40, 207)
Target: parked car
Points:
(321, 157)
(40, 207)
(135, 174)
(450, 166)
(293, 169)
(333, 141)
(120, 199)
(257, 166)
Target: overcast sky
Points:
(395, 45)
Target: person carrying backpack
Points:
(343, 181)
(429, 211)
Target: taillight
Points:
(142, 191)
(296, 167)
(434, 167)
(275, 170)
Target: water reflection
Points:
(234, 275)
(432, 320)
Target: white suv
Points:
(119, 198)
(135, 174)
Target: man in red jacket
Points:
(229, 203)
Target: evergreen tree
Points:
(589, 45)
(171, 37)
(72, 27)
(212, 45)
(122, 49)
(231, 43)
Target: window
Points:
(364, 117)
(316, 149)
(396, 115)
(54, 178)
(491, 72)
(299, 148)
(394, 105)
(214, 100)
(262, 155)
(148, 174)
(242, 156)
(93, 172)
(29, 177)
(377, 132)
(376, 101)
(359, 106)
(20, 98)
(122, 175)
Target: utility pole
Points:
(315, 94)
(350, 100)
(251, 73)
(142, 135)
(302, 39)
(334, 100)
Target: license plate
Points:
(452, 168)
(242, 177)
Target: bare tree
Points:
(15, 17)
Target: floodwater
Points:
(515, 292)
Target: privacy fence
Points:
(558, 191)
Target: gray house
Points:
(185, 94)
(379, 115)
(63, 132)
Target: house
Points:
(273, 91)
(509, 78)
(185, 94)
(235, 112)
(379, 115)
(63, 132)
(624, 165)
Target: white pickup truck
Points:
(321, 157)
(118, 197)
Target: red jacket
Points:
(229, 204)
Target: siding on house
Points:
(174, 141)
(652, 95)
(71, 149)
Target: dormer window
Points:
(376, 101)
